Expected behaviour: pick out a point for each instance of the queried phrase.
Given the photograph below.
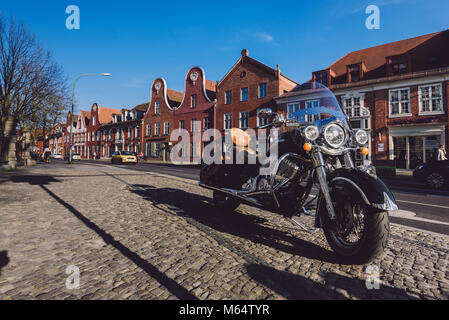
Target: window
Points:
(148, 129)
(261, 121)
(157, 129)
(244, 120)
(321, 77)
(244, 94)
(94, 120)
(206, 123)
(262, 90)
(157, 108)
(352, 107)
(228, 121)
(313, 104)
(193, 101)
(166, 128)
(158, 150)
(430, 99)
(400, 102)
(182, 124)
(137, 132)
(196, 125)
(228, 97)
(398, 65)
(292, 108)
(354, 73)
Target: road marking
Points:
(423, 204)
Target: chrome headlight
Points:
(361, 137)
(311, 133)
(334, 135)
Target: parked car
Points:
(435, 174)
(123, 157)
(76, 156)
(57, 156)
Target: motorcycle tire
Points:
(372, 243)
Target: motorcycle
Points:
(316, 149)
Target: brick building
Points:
(56, 140)
(99, 116)
(159, 120)
(123, 132)
(248, 87)
(196, 112)
(398, 92)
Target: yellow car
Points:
(123, 157)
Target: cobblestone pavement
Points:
(136, 235)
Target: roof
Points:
(245, 56)
(85, 117)
(211, 89)
(174, 98)
(374, 58)
(142, 107)
(105, 115)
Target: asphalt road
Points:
(418, 208)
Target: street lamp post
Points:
(73, 103)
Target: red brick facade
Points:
(158, 118)
(197, 105)
(250, 74)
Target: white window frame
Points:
(266, 86)
(226, 97)
(314, 117)
(246, 119)
(157, 108)
(259, 121)
(206, 123)
(400, 101)
(421, 112)
(157, 129)
(166, 128)
(241, 94)
(224, 121)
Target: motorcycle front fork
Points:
(319, 165)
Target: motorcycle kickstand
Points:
(303, 227)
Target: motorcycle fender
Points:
(370, 189)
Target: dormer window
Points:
(321, 78)
(398, 65)
(324, 77)
(355, 72)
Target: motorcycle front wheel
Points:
(360, 234)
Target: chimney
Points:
(278, 71)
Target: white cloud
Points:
(265, 37)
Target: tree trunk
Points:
(8, 150)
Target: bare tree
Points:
(32, 85)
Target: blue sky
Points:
(138, 41)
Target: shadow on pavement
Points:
(296, 287)
(4, 260)
(171, 285)
(241, 225)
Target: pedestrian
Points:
(95, 155)
(442, 155)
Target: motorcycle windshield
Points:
(314, 104)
